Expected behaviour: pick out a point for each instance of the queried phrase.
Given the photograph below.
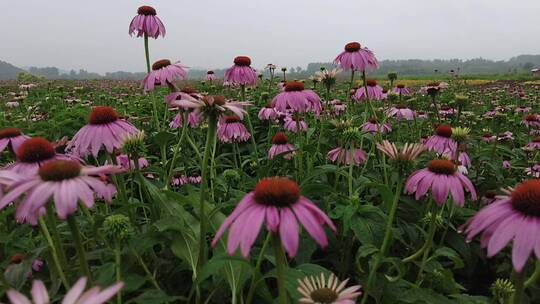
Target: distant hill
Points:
(8, 71)
(407, 67)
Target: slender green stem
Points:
(146, 270)
(117, 261)
(210, 139)
(147, 53)
(56, 235)
(519, 280)
(257, 268)
(281, 263)
(387, 241)
(250, 126)
(81, 253)
(54, 253)
(429, 242)
(351, 82)
(177, 148)
(534, 276)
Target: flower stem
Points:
(177, 149)
(250, 126)
(117, 261)
(386, 241)
(253, 284)
(210, 138)
(81, 253)
(519, 285)
(280, 269)
(428, 243)
(534, 276)
(351, 82)
(147, 53)
(54, 253)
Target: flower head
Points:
(146, 23)
(66, 181)
(276, 201)
(281, 146)
(318, 290)
(12, 137)
(512, 217)
(442, 177)
(296, 98)
(231, 129)
(408, 153)
(105, 129)
(216, 104)
(164, 73)
(241, 73)
(356, 58)
(75, 295)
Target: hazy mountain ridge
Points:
(409, 67)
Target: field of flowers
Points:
(257, 188)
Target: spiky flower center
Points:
(294, 86)
(401, 106)
(219, 100)
(146, 10)
(490, 194)
(441, 166)
(324, 295)
(444, 131)
(446, 108)
(401, 86)
(434, 84)
(59, 170)
(188, 90)
(242, 61)
(531, 117)
(420, 112)
(373, 120)
(352, 47)
(486, 135)
(10, 132)
(17, 258)
(232, 119)
(102, 115)
(210, 72)
(280, 139)
(160, 64)
(371, 82)
(35, 149)
(277, 192)
(526, 198)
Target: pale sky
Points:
(93, 34)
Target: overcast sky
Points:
(73, 34)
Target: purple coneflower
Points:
(356, 58)
(179, 179)
(124, 162)
(442, 141)
(488, 137)
(337, 107)
(241, 73)
(267, 113)
(533, 171)
(32, 154)
(531, 120)
(184, 93)
(195, 178)
(374, 91)
(442, 178)
(297, 99)
(164, 73)
(371, 126)
(213, 103)
(210, 76)
(318, 290)
(104, 129)
(446, 110)
(176, 121)
(400, 112)
(512, 217)
(75, 295)
(402, 90)
(12, 137)
(281, 146)
(522, 109)
(351, 156)
(231, 129)
(421, 115)
(64, 180)
(277, 202)
(293, 123)
(146, 23)
(534, 144)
